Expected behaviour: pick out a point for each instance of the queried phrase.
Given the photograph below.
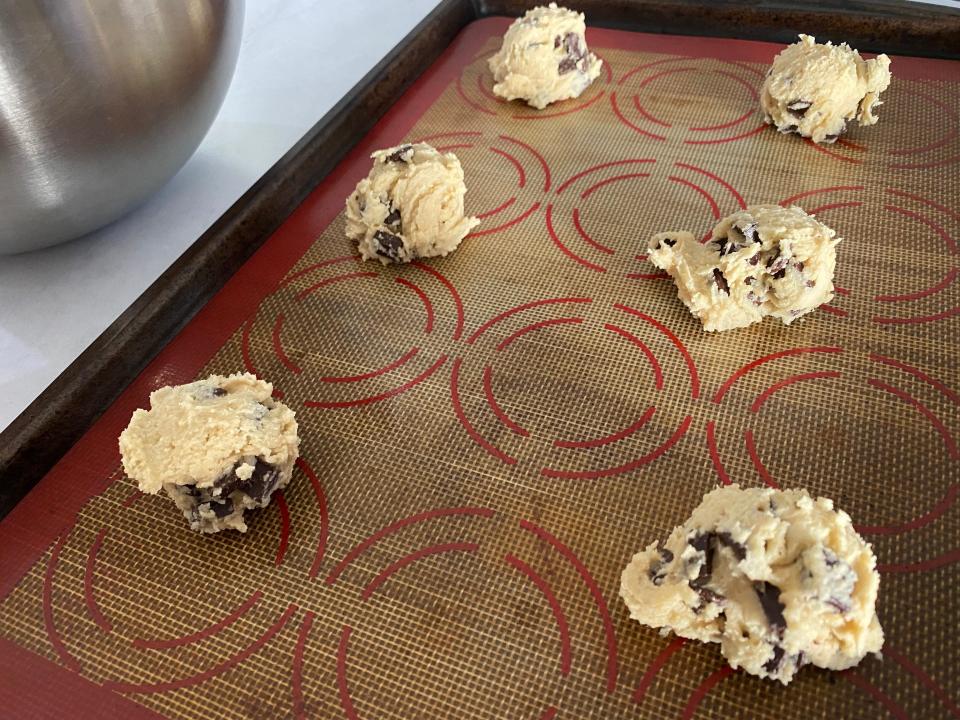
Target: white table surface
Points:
(297, 59)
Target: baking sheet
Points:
(488, 437)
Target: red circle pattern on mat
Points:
(580, 458)
(940, 152)
(645, 100)
(567, 213)
(911, 390)
(936, 229)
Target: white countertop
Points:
(297, 59)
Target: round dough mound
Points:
(217, 447)
(813, 90)
(777, 578)
(544, 58)
(765, 260)
(410, 205)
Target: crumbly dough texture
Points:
(765, 260)
(544, 58)
(410, 205)
(217, 447)
(777, 578)
(814, 89)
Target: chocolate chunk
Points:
(218, 392)
(800, 107)
(739, 550)
(222, 509)
(750, 232)
(775, 265)
(703, 543)
(811, 283)
(752, 297)
(709, 596)
(556, 41)
(388, 246)
(575, 53)
(830, 139)
(779, 275)
(669, 242)
(787, 129)
(655, 574)
(769, 597)
(393, 220)
(262, 481)
(721, 243)
(754, 260)
(799, 266)
(721, 281)
(773, 663)
(748, 281)
(397, 155)
(568, 64)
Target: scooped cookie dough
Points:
(410, 205)
(777, 578)
(544, 58)
(765, 260)
(814, 89)
(218, 447)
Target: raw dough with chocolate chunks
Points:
(777, 578)
(410, 205)
(544, 58)
(813, 89)
(765, 260)
(217, 446)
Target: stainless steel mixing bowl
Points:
(101, 102)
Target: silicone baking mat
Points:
(487, 438)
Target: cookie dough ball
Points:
(813, 90)
(544, 58)
(218, 447)
(765, 260)
(410, 205)
(777, 578)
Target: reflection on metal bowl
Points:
(101, 102)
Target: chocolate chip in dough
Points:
(709, 596)
(388, 245)
(397, 155)
(218, 392)
(738, 549)
(575, 53)
(721, 281)
(656, 576)
(769, 596)
(773, 663)
(262, 481)
(393, 220)
(222, 509)
(800, 107)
